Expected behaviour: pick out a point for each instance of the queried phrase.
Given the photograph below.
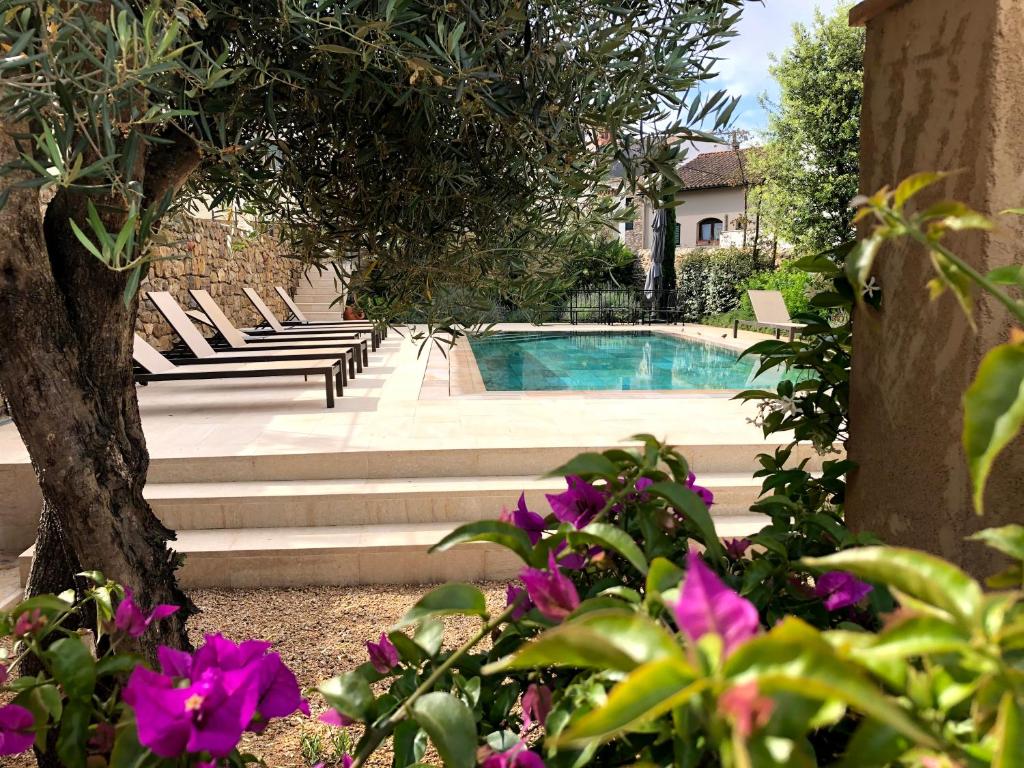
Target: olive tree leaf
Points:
(993, 412)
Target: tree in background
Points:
(436, 138)
(811, 160)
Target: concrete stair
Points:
(369, 517)
(315, 293)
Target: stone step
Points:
(347, 555)
(477, 462)
(315, 503)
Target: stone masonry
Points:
(217, 257)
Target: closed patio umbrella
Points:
(659, 227)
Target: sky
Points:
(765, 28)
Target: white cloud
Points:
(764, 29)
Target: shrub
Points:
(621, 645)
(793, 283)
(708, 280)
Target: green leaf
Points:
(128, 752)
(1009, 539)
(922, 576)
(1009, 733)
(614, 538)
(86, 242)
(429, 635)
(689, 503)
(450, 725)
(410, 744)
(450, 599)
(1011, 274)
(132, 284)
(918, 636)
(604, 639)
(350, 694)
(993, 412)
(73, 667)
(911, 185)
(74, 733)
(663, 575)
(860, 260)
(495, 531)
(648, 692)
(587, 464)
(794, 657)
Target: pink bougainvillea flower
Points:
(707, 605)
(383, 654)
(29, 622)
(206, 716)
(705, 494)
(512, 594)
(840, 589)
(17, 729)
(536, 705)
(521, 517)
(579, 504)
(3, 673)
(736, 548)
(202, 702)
(516, 757)
(278, 692)
(746, 708)
(130, 619)
(335, 718)
(553, 594)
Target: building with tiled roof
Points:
(713, 212)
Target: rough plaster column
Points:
(943, 91)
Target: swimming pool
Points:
(612, 360)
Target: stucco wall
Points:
(214, 256)
(724, 204)
(942, 92)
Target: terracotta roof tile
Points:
(725, 168)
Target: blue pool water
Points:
(637, 360)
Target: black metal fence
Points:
(628, 306)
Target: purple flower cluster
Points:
(840, 590)
(579, 504)
(203, 702)
(705, 493)
(706, 605)
(130, 619)
(516, 757)
(17, 729)
(550, 591)
(383, 654)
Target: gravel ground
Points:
(319, 632)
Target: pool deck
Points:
(402, 458)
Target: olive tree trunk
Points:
(66, 370)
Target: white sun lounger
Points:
(770, 311)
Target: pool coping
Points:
(464, 379)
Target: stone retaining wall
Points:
(217, 257)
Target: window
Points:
(679, 234)
(709, 231)
(629, 224)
